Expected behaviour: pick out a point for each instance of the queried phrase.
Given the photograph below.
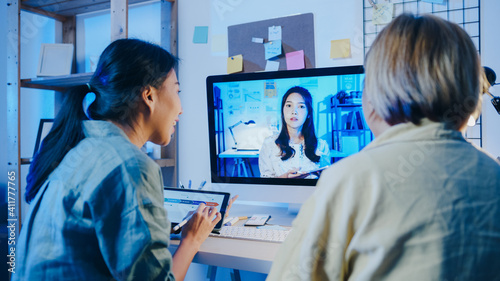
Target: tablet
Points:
(304, 174)
(179, 202)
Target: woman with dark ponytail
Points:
(96, 199)
(296, 151)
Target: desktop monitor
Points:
(244, 110)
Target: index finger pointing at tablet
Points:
(200, 207)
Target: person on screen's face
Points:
(295, 114)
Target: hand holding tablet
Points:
(180, 202)
(304, 174)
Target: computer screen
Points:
(246, 119)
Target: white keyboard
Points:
(252, 233)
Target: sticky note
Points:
(219, 43)
(272, 49)
(340, 48)
(200, 35)
(274, 33)
(383, 13)
(235, 64)
(257, 40)
(295, 60)
(272, 65)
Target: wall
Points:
(94, 31)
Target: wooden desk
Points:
(256, 256)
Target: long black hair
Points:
(126, 67)
(310, 139)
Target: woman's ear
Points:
(149, 97)
(376, 123)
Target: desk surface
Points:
(233, 153)
(256, 256)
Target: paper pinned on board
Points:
(383, 13)
(340, 48)
(295, 60)
(235, 64)
(272, 65)
(257, 40)
(274, 33)
(272, 49)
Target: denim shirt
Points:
(99, 215)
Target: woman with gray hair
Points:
(420, 202)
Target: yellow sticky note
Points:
(340, 48)
(235, 64)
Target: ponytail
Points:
(65, 134)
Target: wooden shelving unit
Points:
(69, 8)
(65, 12)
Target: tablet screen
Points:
(179, 202)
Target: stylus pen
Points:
(202, 184)
(182, 223)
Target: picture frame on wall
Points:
(55, 60)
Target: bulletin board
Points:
(465, 13)
(297, 34)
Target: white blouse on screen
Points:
(271, 165)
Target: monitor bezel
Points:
(312, 72)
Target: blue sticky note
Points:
(200, 35)
(273, 49)
(274, 33)
(272, 65)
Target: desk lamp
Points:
(491, 76)
(250, 123)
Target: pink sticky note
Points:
(295, 60)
